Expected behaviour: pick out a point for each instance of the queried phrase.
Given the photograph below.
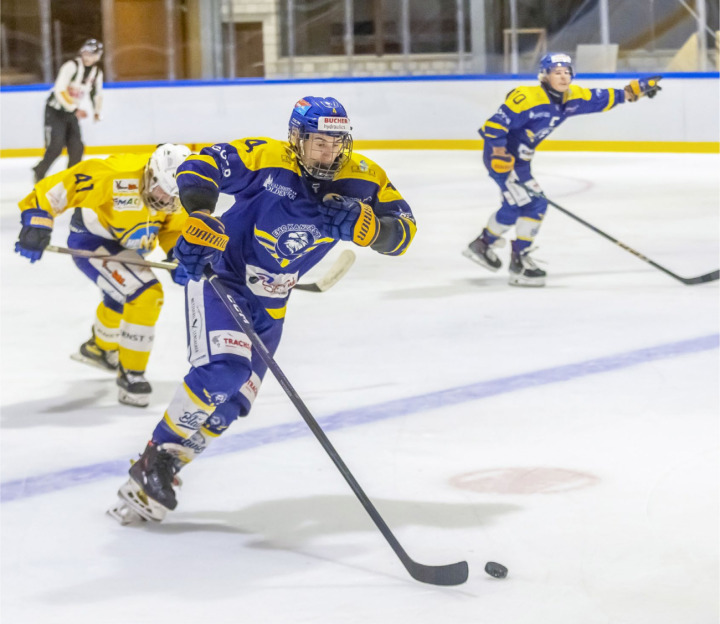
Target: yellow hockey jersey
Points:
(107, 193)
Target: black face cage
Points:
(314, 168)
(173, 205)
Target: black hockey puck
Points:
(496, 569)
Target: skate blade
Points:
(528, 282)
(134, 400)
(479, 260)
(124, 514)
(132, 496)
(79, 357)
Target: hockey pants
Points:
(225, 373)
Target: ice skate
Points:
(524, 271)
(90, 353)
(148, 494)
(481, 251)
(133, 388)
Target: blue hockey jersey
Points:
(275, 227)
(529, 115)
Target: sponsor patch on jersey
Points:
(125, 186)
(334, 124)
(127, 203)
(266, 284)
(278, 189)
(228, 341)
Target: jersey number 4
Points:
(81, 178)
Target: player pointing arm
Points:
(528, 115)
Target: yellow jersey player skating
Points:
(528, 115)
(124, 204)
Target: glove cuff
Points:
(206, 231)
(366, 227)
(36, 217)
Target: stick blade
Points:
(312, 287)
(339, 268)
(452, 574)
(701, 279)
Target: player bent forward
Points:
(293, 201)
(523, 121)
(122, 204)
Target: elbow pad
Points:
(390, 232)
(199, 198)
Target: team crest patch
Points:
(290, 241)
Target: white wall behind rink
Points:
(685, 111)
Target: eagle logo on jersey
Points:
(295, 241)
(290, 241)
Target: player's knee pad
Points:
(144, 305)
(107, 326)
(504, 218)
(535, 210)
(219, 380)
(137, 330)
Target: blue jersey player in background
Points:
(293, 201)
(523, 121)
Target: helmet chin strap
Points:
(555, 95)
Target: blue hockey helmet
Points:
(319, 133)
(554, 59)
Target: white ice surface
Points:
(599, 492)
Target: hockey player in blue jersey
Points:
(293, 201)
(528, 115)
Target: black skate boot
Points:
(133, 388)
(148, 494)
(91, 353)
(524, 271)
(154, 472)
(480, 251)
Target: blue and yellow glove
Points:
(37, 225)
(349, 220)
(642, 86)
(501, 160)
(202, 242)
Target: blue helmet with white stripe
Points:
(319, 133)
(552, 60)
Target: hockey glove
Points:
(201, 243)
(501, 161)
(35, 234)
(642, 86)
(349, 220)
(179, 275)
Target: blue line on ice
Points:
(60, 480)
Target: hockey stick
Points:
(82, 253)
(452, 574)
(336, 272)
(689, 281)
